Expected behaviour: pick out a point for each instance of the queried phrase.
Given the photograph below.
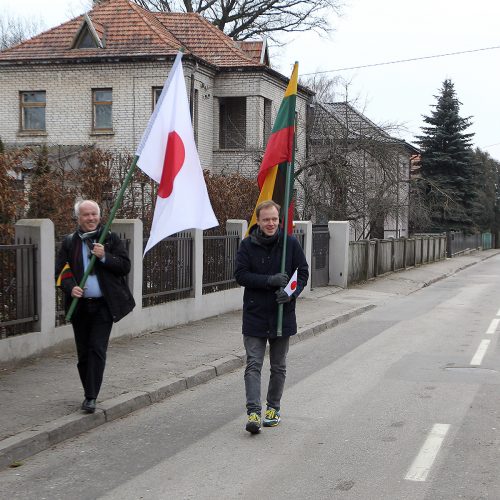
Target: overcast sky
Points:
(378, 31)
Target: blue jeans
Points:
(256, 349)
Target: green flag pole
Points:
(289, 168)
(104, 232)
(288, 187)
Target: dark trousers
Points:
(255, 349)
(92, 324)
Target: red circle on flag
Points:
(174, 159)
(293, 285)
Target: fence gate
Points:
(320, 257)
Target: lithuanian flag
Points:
(64, 274)
(279, 153)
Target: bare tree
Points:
(44, 182)
(354, 169)
(244, 19)
(14, 30)
(12, 200)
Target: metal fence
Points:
(459, 242)
(167, 270)
(370, 258)
(320, 256)
(18, 289)
(488, 241)
(219, 256)
(300, 235)
(361, 261)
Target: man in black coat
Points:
(258, 265)
(105, 299)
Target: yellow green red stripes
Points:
(279, 151)
(280, 144)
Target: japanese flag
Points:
(167, 153)
(292, 284)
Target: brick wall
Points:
(256, 87)
(69, 107)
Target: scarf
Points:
(89, 239)
(264, 240)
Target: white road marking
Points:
(481, 351)
(493, 326)
(423, 462)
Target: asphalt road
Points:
(400, 403)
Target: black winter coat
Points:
(110, 274)
(254, 264)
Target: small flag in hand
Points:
(292, 284)
(64, 274)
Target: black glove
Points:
(278, 280)
(282, 297)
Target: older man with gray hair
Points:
(105, 299)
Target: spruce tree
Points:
(447, 164)
(487, 180)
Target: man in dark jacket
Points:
(258, 265)
(105, 299)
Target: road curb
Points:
(27, 443)
(461, 268)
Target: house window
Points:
(156, 95)
(102, 102)
(232, 122)
(33, 111)
(267, 120)
(86, 40)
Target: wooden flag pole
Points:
(104, 232)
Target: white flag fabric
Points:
(292, 284)
(167, 153)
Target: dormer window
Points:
(89, 35)
(86, 40)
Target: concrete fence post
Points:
(393, 255)
(405, 250)
(41, 233)
(238, 225)
(131, 229)
(338, 253)
(197, 263)
(367, 260)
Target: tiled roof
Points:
(133, 32)
(253, 49)
(357, 123)
(204, 40)
(341, 120)
(336, 120)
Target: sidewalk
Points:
(40, 400)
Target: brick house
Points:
(95, 80)
(370, 171)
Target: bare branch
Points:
(245, 19)
(14, 30)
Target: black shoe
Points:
(88, 405)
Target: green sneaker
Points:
(253, 423)
(271, 418)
